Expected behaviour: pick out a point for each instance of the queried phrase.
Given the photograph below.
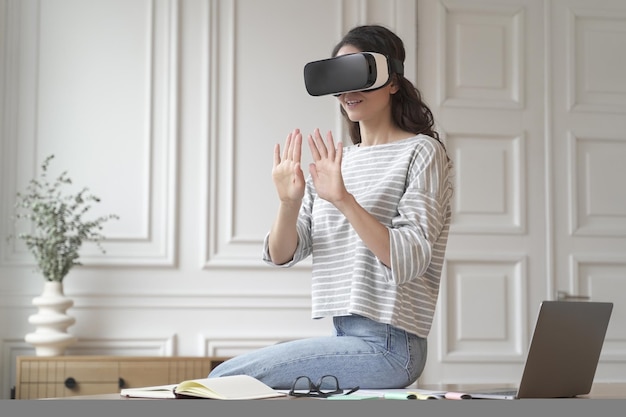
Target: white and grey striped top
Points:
(407, 186)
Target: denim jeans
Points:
(362, 353)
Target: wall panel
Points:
(479, 330)
(597, 60)
(109, 118)
(484, 55)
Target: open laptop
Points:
(564, 351)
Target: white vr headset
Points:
(351, 72)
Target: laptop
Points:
(564, 351)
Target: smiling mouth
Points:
(352, 102)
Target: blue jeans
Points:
(362, 353)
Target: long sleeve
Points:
(407, 186)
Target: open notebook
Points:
(234, 387)
(564, 351)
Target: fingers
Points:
(330, 145)
(297, 147)
(286, 148)
(293, 148)
(289, 143)
(276, 155)
(313, 171)
(319, 142)
(339, 152)
(319, 149)
(314, 151)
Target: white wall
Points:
(169, 110)
(529, 95)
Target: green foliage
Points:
(59, 228)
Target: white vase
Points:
(51, 337)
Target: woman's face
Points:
(363, 106)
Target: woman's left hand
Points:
(326, 168)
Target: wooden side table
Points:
(63, 376)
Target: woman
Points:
(374, 217)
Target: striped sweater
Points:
(407, 186)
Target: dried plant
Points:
(58, 225)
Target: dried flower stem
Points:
(59, 227)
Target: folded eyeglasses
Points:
(325, 387)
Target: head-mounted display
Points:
(351, 72)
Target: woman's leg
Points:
(363, 353)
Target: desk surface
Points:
(601, 390)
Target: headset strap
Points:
(396, 65)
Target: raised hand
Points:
(326, 167)
(287, 172)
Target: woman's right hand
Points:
(287, 171)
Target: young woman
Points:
(374, 216)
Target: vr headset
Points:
(351, 72)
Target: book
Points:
(235, 387)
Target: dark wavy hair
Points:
(408, 110)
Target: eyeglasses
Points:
(326, 386)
